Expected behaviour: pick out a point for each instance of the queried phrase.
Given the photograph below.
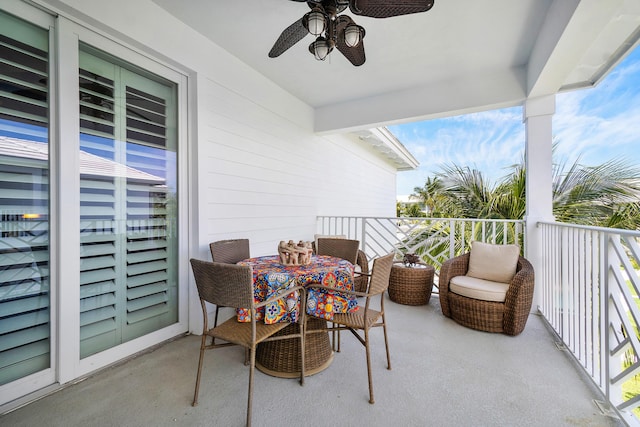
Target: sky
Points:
(594, 125)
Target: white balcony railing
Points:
(587, 277)
(590, 280)
(434, 239)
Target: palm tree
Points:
(432, 197)
(411, 210)
(607, 195)
(467, 191)
(508, 199)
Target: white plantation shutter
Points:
(24, 200)
(128, 264)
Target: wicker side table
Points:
(411, 285)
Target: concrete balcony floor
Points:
(442, 374)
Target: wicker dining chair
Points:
(365, 317)
(339, 248)
(349, 250)
(508, 316)
(229, 252)
(232, 286)
(361, 278)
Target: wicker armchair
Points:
(508, 317)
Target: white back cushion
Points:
(496, 263)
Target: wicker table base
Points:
(411, 285)
(282, 358)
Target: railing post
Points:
(606, 305)
(452, 238)
(564, 292)
(364, 234)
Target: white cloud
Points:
(594, 124)
(600, 124)
(489, 141)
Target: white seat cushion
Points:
(496, 263)
(472, 287)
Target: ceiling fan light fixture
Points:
(353, 34)
(315, 22)
(321, 48)
(332, 29)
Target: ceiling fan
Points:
(340, 31)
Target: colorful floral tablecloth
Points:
(270, 276)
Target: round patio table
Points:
(281, 358)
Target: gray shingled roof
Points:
(90, 164)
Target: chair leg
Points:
(386, 341)
(203, 344)
(335, 338)
(215, 323)
(368, 351)
(251, 369)
(303, 332)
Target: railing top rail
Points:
(607, 230)
(396, 218)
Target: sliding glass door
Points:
(25, 332)
(89, 231)
(128, 145)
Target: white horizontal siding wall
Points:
(266, 178)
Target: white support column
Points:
(537, 117)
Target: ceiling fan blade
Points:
(290, 36)
(355, 54)
(389, 8)
(310, 2)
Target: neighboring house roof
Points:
(90, 164)
(407, 198)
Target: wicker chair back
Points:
(380, 274)
(340, 248)
(230, 251)
(222, 284)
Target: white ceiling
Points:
(461, 56)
